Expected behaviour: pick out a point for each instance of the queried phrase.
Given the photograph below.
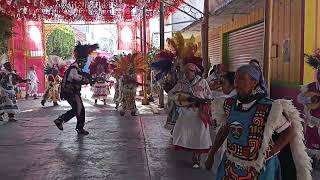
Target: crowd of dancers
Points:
(228, 116)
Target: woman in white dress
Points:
(191, 131)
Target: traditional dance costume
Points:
(312, 110)
(191, 131)
(99, 68)
(52, 93)
(127, 98)
(101, 88)
(8, 102)
(254, 125)
(126, 71)
(71, 84)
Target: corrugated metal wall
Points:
(246, 44)
(254, 17)
(215, 49)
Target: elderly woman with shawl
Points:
(264, 137)
(191, 131)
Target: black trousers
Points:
(77, 110)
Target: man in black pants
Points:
(73, 78)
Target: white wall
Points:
(154, 26)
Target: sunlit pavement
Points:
(117, 148)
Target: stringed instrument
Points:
(184, 99)
(312, 106)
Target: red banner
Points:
(34, 48)
(138, 40)
(126, 36)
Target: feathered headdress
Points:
(314, 59)
(81, 52)
(57, 63)
(182, 48)
(102, 61)
(129, 65)
(163, 63)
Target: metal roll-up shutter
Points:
(215, 50)
(246, 44)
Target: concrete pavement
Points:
(117, 148)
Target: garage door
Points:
(215, 50)
(246, 44)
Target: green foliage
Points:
(61, 42)
(152, 53)
(5, 32)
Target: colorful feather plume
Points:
(99, 61)
(129, 64)
(182, 48)
(163, 64)
(314, 59)
(55, 63)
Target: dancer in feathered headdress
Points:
(54, 70)
(127, 69)
(8, 80)
(71, 84)
(99, 69)
(310, 98)
(169, 64)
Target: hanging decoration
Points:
(82, 10)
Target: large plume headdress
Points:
(55, 63)
(163, 63)
(99, 61)
(81, 52)
(129, 65)
(314, 59)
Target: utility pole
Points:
(161, 19)
(145, 100)
(205, 37)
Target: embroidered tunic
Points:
(247, 125)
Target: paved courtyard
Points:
(117, 148)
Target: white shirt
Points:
(32, 75)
